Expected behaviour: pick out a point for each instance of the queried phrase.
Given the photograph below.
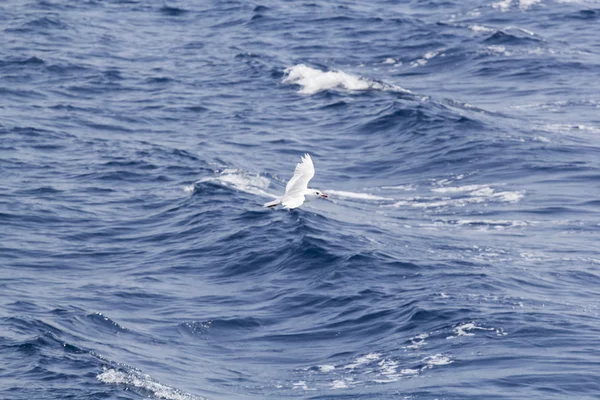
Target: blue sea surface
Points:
(457, 256)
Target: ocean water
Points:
(457, 256)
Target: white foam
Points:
(509, 197)
(314, 80)
(466, 329)
(339, 384)
(389, 61)
(466, 195)
(409, 371)
(457, 189)
(407, 188)
(239, 180)
(479, 196)
(536, 52)
(426, 57)
(388, 367)
(326, 368)
(503, 5)
(417, 341)
(479, 28)
(436, 360)
(498, 49)
(525, 4)
(353, 195)
(145, 382)
(561, 128)
(371, 357)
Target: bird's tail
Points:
(272, 203)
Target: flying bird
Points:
(296, 190)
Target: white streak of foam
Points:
(542, 139)
(409, 371)
(479, 28)
(314, 80)
(145, 382)
(407, 188)
(353, 195)
(466, 328)
(436, 359)
(301, 385)
(527, 31)
(561, 128)
(457, 189)
(366, 359)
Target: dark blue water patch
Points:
(501, 37)
(260, 8)
(172, 11)
(20, 63)
(585, 15)
(43, 25)
(196, 45)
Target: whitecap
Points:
(144, 382)
(314, 80)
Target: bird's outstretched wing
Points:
(303, 173)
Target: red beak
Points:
(323, 195)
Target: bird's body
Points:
(296, 190)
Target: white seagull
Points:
(296, 190)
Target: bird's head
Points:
(318, 193)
